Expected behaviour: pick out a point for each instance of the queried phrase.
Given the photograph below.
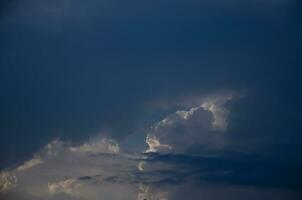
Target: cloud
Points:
(103, 146)
(216, 105)
(29, 164)
(145, 192)
(167, 170)
(69, 174)
(8, 181)
(91, 188)
(101, 162)
(141, 166)
(72, 171)
(155, 145)
(203, 125)
(86, 171)
(67, 186)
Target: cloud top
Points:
(203, 125)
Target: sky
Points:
(156, 100)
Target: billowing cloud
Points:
(141, 166)
(100, 168)
(29, 164)
(216, 105)
(203, 125)
(91, 170)
(68, 186)
(145, 192)
(155, 145)
(99, 146)
(61, 169)
(8, 181)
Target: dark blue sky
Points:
(210, 91)
(70, 69)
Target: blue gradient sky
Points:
(72, 69)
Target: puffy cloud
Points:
(89, 187)
(89, 171)
(155, 145)
(141, 166)
(98, 168)
(8, 181)
(74, 171)
(68, 174)
(200, 125)
(103, 146)
(29, 164)
(145, 192)
(67, 186)
(216, 105)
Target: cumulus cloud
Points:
(145, 192)
(8, 181)
(62, 168)
(103, 146)
(29, 164)
(141, 166)
(216, 105)
(92, 188)
(202, 124)
(155, 145)
(67, 186)
(99, 168)
(94, 169)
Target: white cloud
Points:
(29, 164)
(63, 169)
(98, 146)
(216, 105)
(89, 171)
(141, 166)
(145, 192)
(187, 114)
(67, 186)
(8, 181)
(92, 189)
(155, 145)
(98, 168)
(202, 124)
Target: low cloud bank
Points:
(166, 170)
